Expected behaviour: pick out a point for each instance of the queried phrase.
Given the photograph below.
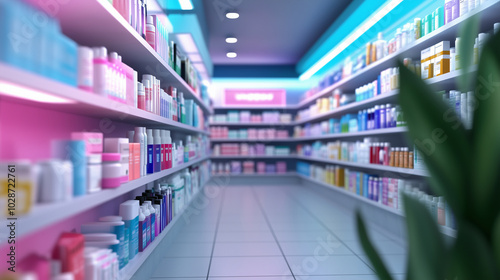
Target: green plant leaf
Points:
(496, 241)
(439, 134)
(468, 34)
(486, 138)
(427, 260)
(472, 256)
(370, 251)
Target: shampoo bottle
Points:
(157, 151)
(151, 150)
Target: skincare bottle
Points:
(169, 149)
(151, 152)
(100, 71)
(145, 162)
(85, 69)
(139, 138)
(151, 33)
(157, 150)
(153, 219)
(141, 96)
(143, 230)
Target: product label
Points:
(150, 163)
(144, 234)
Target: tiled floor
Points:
(273, 232)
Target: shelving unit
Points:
(46, 214)
(81, 102)
(250, 108)
(254, 157)
(283, 140)
(133, 266)
(488, 12)
(444, 81)
(392, 130)
(252, 124)
(106, 25)
(445, 230)
(377, 167)
(242, 175)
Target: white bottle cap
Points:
(85, 52)
(62, 276)
(94, 158)
(129, 210)
(99, 236)
(113, 56)
(140, 89)
(150, 20)
(147, 77)
(146, 83)
(100, 52)
(111, 219)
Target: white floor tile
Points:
(249, 266)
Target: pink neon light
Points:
(255, 97)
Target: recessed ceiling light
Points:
(231, 54)
(232, 15)
(231, 40)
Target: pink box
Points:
(93, 141)
(281, 167)
(261, 167)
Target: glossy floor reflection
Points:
(273, 232)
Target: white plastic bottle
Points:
(148, 91)
(464, 7)
(147, 214)
(85, 68)
(180, 153)
(174, 155)
(139, 138)
(151, 33)
(145, 155)
(187, 148)
(100, 71)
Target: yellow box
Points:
(441, 58)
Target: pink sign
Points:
(255, 97)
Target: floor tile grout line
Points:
(400, 242)
(272, 231)
(328, 229)
(216, 231)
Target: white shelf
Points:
(488, 14)
(392, 130)
(104, 26)
(356, 106)
(263, 108)
(131, 268)
(83, 102)
(46, 214)
(252, 140)
(381, 168)
(254, 157)
(445, 81)
(251, 124)
(445, 230)
(287, 174)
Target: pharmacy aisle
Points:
(273, 231)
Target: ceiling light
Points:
(232, 15)
(231, 40)
(186, 4)
(231, 54)
(391, 4)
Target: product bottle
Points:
(183, 109)
(169, 149)
(157, 150)
(141, 96)
(151, 152)
(163, 150)
(174, 155)
(85, 68)
(143, 230)
(157, 204)
(100, 71)
(145, 162)
(148, 90)
(129, 211)
(382, 121)
(381, 46)
(174, 104)
(186, 148)
(147, 213)
(139, 138)
(464, 7)
(151, 33)
(153, 219)
(113, 75)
